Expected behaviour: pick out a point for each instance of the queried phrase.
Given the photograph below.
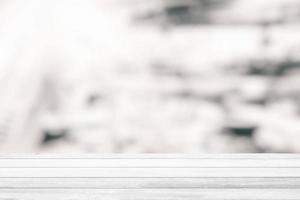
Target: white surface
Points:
(170, 176)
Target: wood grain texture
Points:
(148, 177)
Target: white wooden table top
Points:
(148, 177)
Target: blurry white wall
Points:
(149, 76)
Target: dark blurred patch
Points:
(163, 70)
(186, 94)
(189, 12)
(93, 99)
(192, 95)
(241, 131)
(180, 14)
(260, 102)
(286, 66)
(271, 150)
(269, 68)
(54, 135)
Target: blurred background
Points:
(149, 76)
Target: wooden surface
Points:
(148, 177)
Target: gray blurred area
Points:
(149, 76)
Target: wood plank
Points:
(149, 172)
(153, 156)
(151, 194)
(152, 160)
(149, 183)
(147, 162)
